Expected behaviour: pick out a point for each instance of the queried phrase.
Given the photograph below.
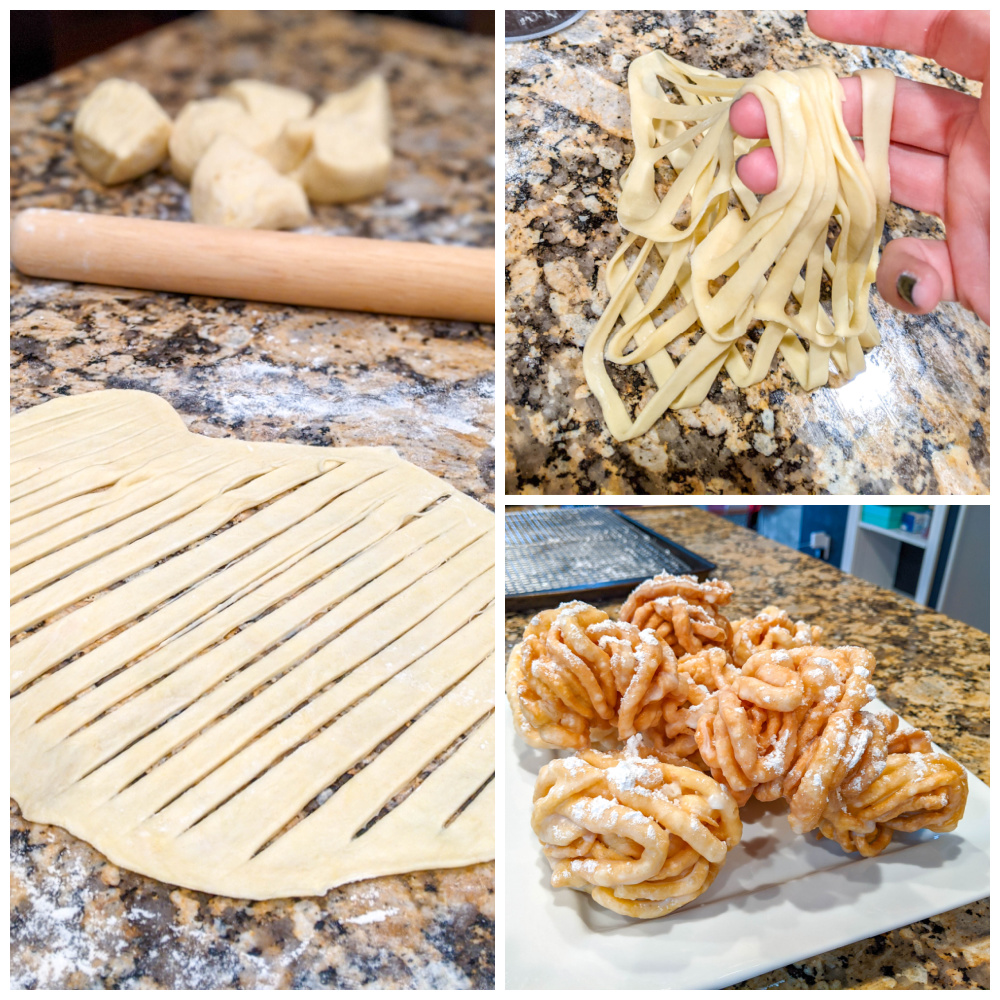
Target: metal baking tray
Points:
(556, 554)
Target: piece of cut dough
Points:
(369, 98)
(198, 125)
(264, 670)
(120, 132)
(701, 263)
(234, 186)
(287, 153)
(349, 155)
(270, 105)
(347, 162)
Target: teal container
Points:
(888, 515)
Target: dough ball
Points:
(234, 186)
(369, 98)
(287, 152)
(350, 154)
(120, 132)
(198, 125)
(347, 162)
(272, 106)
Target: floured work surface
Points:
(254, 670)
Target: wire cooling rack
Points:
(567, 553)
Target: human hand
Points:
(939, 152)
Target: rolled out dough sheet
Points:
(255, 670)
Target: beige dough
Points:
(120, 132)
(198, 125)
(280, 115)
(234, 186)
(208, 634)
(270, 105)
(369, 98)
(349, 155)
(703, 261)
(253, 156)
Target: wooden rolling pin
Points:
(334, 272)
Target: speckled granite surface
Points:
(268, 373)
(932, 670)
(917, 421)
(79, 922)
(264, 371)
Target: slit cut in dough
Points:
(254, 670)
(701, 263)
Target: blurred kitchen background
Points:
(936, 555)
(42, 41)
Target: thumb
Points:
(915, 275)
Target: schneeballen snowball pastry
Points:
(678, 724)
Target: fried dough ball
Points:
(771, 628)
(790, 724)
(683, 612)
(579, 678)
(643, 837)
(916, 791)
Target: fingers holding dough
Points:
(923, 116)
(758, 169)
(918, 178)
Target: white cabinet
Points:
(965, 586)
(872, 553)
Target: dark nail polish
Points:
(905, 284)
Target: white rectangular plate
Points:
(779, 898)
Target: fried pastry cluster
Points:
(682, 612)
(580, 679)
(751, 708)
(641, 836)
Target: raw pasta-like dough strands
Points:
(650, 338)
(720, 271)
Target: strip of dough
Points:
(719, 260)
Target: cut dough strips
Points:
(257, 670)
(701, 263)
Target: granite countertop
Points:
(917, 421)
(265, 372)
(932, 670)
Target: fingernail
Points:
(905, 284)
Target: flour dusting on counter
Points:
(70, 929)
(371, 917)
